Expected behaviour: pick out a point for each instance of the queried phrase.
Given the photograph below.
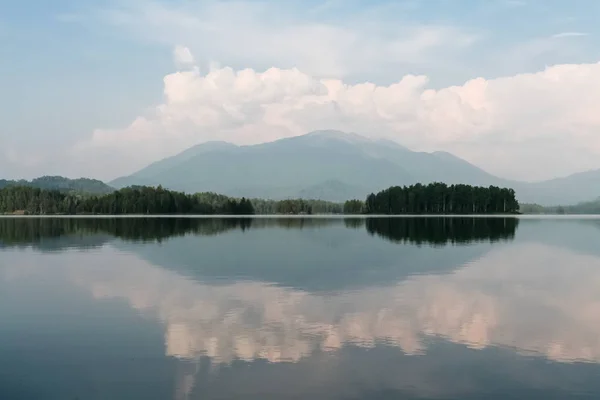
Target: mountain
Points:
(329, 165)
(335, 166)
(81, 185)
(573, 189)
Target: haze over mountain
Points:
(336, 166)
(66, 185)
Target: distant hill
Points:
(81, 185)
(335, 166)
(329, 165)
(573, 189)
(588, 207)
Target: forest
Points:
(439, 198)
(436, 198)
(147, 200)
(133, 200)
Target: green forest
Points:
(148, 200)
(134, 200)
(439, 198)
(436, 198)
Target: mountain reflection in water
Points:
(499, 286)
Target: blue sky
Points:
(70, 68)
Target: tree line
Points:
(439, 198)
(132, 200)
(436, 198)
(149, 200)
(296, 206)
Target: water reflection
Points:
(305, 253)
(499, 308)
(519, 298)
(443, 230)
(34, 231)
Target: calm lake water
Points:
(382, 308)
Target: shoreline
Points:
(296, 216)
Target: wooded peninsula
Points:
(435, 198)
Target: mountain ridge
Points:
(334, 165)
(328, 165)
(67, 185)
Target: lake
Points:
(299, 308)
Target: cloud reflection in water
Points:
(534, 298)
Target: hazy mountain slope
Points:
(81, 185)
(445, 167)
(568, 190)
(333, 165)
(424, 167)
(168, 163)
(330, 165)
(332, 190)
(279, 169)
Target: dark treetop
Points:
(439, 198)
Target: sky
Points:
(101, 89)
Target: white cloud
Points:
(261, 35)
(569, 34)
(183, 56)
(527, 126)
(345, 41)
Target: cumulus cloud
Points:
(501, 124)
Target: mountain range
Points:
(333, 165)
